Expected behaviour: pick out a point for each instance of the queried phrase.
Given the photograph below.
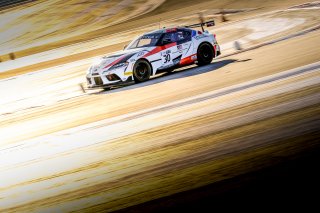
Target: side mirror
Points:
(125, 46)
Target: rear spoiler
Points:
(207, 24)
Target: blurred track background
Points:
(242, 130)
(12, 3)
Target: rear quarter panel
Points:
(200, 38)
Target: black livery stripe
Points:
(155, 60)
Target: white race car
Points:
(154, 52)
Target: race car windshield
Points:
(148, 40)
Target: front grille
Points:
(98, 81)
(112, 77)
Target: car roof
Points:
(166, 30)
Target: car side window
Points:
(183, 36)
(169, 38)
(187, 35)
(180, 35)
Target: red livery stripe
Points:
(116, 61)
(188, 60)
(159, 48)
(171, 30)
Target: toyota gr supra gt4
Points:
(155, 52)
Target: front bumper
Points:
(98, 81)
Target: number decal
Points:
(167, 58)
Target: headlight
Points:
(116, 66)
(94, 66)
(92, 70)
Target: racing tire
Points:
(141, 71)
(205, 54)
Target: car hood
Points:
(115, 58)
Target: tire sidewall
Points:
(201, 59)
(136, 77)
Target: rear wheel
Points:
(205, 54)
(141, 71)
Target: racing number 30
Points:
(166, 58)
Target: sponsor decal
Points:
(176, 60)
(188, 60)
(128, 73)
(166, 52)
(151, 36)
(200, 37)
(140, 54)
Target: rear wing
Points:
(207, 24)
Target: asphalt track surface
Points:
(197, 133)
(240, 132)
(6, 3)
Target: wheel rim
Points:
(141, 71)
(206, 53)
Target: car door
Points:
(184, 44)
(170, 55)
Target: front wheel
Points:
(141, 71)
(205, 54)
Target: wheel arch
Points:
(136, 78)
(144, 59)
(213, 49)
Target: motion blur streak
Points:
(179, 140)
